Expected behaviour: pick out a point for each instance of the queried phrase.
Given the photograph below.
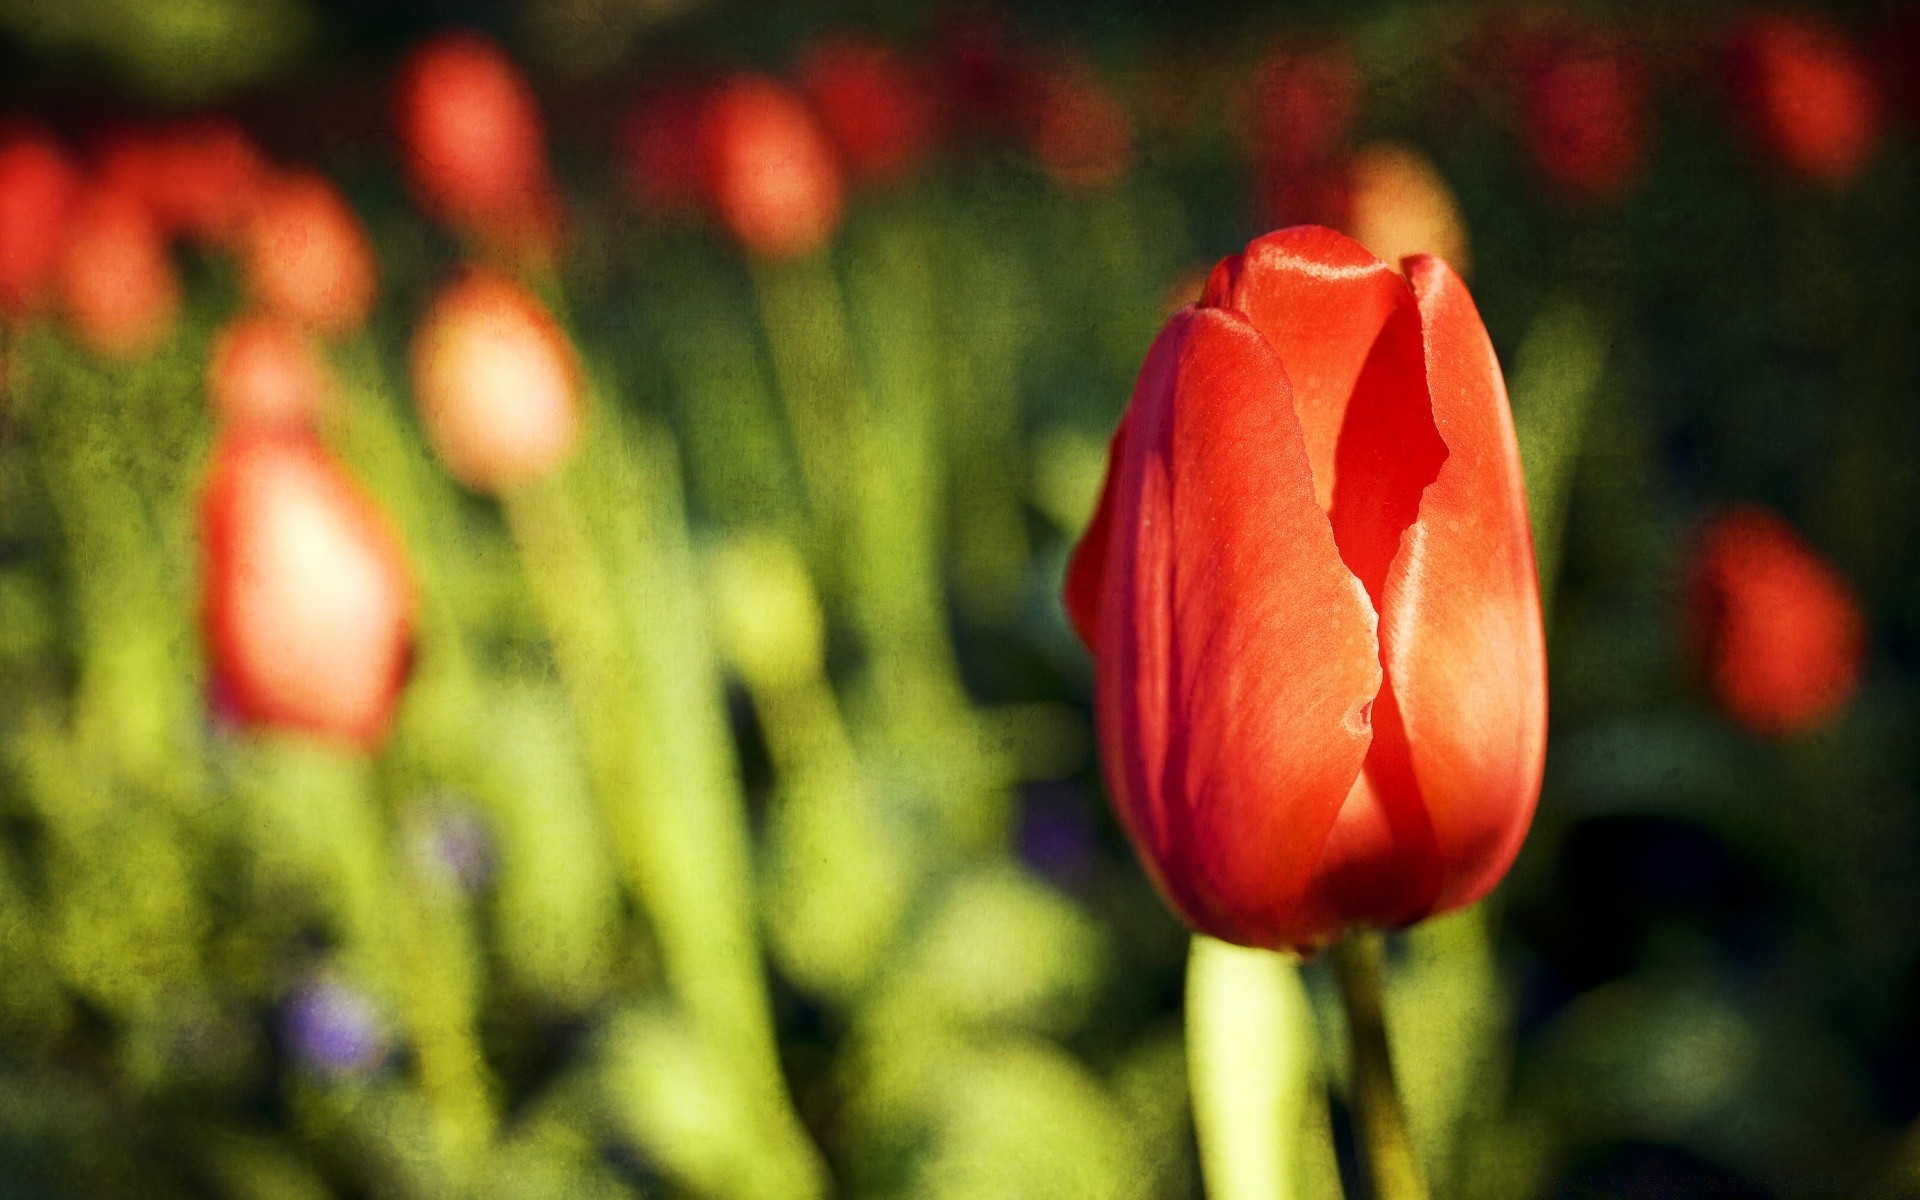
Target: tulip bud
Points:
(263, 371)
(1079, 129)
(1303, 110)
(37, 188)
(305, 256)
(666, 153)
(206, 180)
(1778, 631)
(476, 151)
(772, 174)
(118, 289)
(1309, 590)
(496, 382)
(307, 598)
(1399, 206)
(876, 110)
(1806, 96)
(1584, 117)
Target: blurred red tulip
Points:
(118, 287)
(982, 74)
(37, 187)
(773, 175)
(305, 256)
(308, 600)
(1399, 206)
(199, 178)
(875, 107)
(1778, 630)
(263, 371)
(476, 148)
(1309, 591)
(496, 381)
(1303, 109)
(1078, 128)
(1585, 119)
(1806, 96)
(666, 152)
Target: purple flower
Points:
(1057, 836)
(335, 1029)
(451, 844)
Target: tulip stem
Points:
(1386, 1143)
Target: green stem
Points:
(1259, 1110)
(1386, 1143)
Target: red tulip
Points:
(263, 371)
(37, 187)
(1078, 128)
(1807, 97)
(306, 257)
(773, 176)
(496, 381)
(875, 108)
(1309, 591)
(198, 178)
(666, 152)
(1304, 107)
(308, 601)
(1585, 117)
(1778, 630)
(476, 148)
(118, 289)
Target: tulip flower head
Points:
(772, 175)
(37, 187)
(1807, 96)
(305, 256)
(199, 178)
(476, 150)
(875, 108)
(118, 288)
(1778, 631)
(1079, 129)
(1309, 591)
(307, 599)
(1585, 120)
(1304, 105)
(1399, 206)
(263, 371)
(496, 381)
(666, 152)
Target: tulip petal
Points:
(1088, 566)
(1320, 299)
(1236, 652)
(1460, 627)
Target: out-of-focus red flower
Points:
(496, 381)
(982, 75)
(263, 371)
(199, 178)
(1303, 108)
(1808, 101)
(1399, 206)
(874, 105)
(476, 148)
(774, 179)
(308, 602)
(1309, 590)
(1778, 631)
(118, 287)
(37, 188)
(1078, 128)
(306, 257)
(1583, 101)
(666, 150)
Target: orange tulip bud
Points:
(496, 382)
(1778, 630)
(1079, 129)
(307, 599)
(263, 371)
(773, 176)
(118, 288)
(305, 256)
(1399, 206)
